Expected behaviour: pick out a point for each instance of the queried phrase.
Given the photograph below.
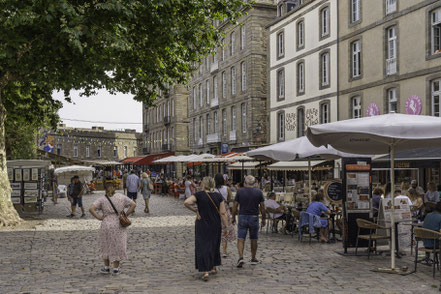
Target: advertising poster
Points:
(26, 175)
(17, 173)
(402, 210)
(357, 191)
(16, 186)
(31, 186)
(30, 196)
(15, 200)
(15, 193)
(35, 174)
(10, 174)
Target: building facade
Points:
(166, 125)
(95, 143)
(227, 106)
(303, 69)
(390, 57)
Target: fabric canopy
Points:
(131, 160)
(297, 165)
(102, 162)
(246, 165)
(150, 159)
(73, 168)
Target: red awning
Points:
(149, 159)
(131, 160)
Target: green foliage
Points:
(130, 46)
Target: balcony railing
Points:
(214, 66)
(167, 147)
(214, 102)
(391, 66)
(233, 135)
(213, 138)
(167, 120)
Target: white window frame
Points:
(208, 124)
(194, 131)
(87, 151)
(392, 99)
(223, 51)
(233, 118)
(207, 91)
(355, 11)
(194, 97)
(224, 85)
(301, 34)
(280, 44)
(325, 115)
(200, 127)
(215, 91)
(242, 37)
(233, 81)
(173, 108)
(300, 122)
(435, 97)
(224, 122)
(391, 6)
(324, 15)
(435, 18)
(356, 107)
(391, 51)
(281, 126)
(356, 58)
(201, 97)
(324, 60)
(281, 84)
(126, 151)
(244, 117)
(216, 122)
(232, 43)
(301, 77)
(243, 75)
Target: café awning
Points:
(297, 166)
(131, 160)
(245, 165)
(149, 159)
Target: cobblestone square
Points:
(53, 254)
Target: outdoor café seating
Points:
(309, 224)
(421, 234)
(373, 235)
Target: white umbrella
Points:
(73, 168)
(378, 135)
(299, 148)
(166, 159)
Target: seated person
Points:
(376, 197)
(318, 208)
(399, 197)
(432, 222)
(275, 210)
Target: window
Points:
(194, 97)
(207, 64)
(300, 122)
(224, 85)
(125, 152)
(280, 45)
(355, 11)
(201, 98)
(436, 94)
(207, 91)
(300, 78)
(392, 101)
(300, 34)
(436, 31)
(356, 107)
(391, 6)
(215, 88)
(356, 58)
(324, 69)
(75, 151)
(391, 58)
(168, 108)
(215, 56)
(233, 118)
(244, 117)
(324, 113)
(208, 124)
(242, 37)
(223, 51)
(281, 126)
(224, 122)
(200, 127)
(233, 81)
(232, 43)
(87, 151)
(243, 76)
(194, 130)
(281, 84)
(98, 152)
(173, 108)
(280, 9)
(324, 22)
(59, 149)
(115, 151)
(216, 122)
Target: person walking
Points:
(112, 236)
(146, 190)
(210, 212)
(133, 185)
(77, 196)
(188, 187)
(228, 232)
(248, 199)
(124, 180)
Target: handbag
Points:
(123, 219)
(150, 184)
(213, 203)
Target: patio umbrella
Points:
(300, 148)
(380, 134)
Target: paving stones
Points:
(59, 255)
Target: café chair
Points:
(309, 223)
(373, 237)
(422, 234)
(271, 220)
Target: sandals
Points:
(205, 277)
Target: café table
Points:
(332, 216)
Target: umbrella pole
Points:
(243, 173)
(260, 175)
(310, 180)
(392, 193)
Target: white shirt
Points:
(223, 191)
(273, 204)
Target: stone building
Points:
(166, 126)
(91, 144)
(389, 57)
(227, 101)
(303, 73)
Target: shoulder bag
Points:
(213, 202)
(123, 219)
(150, 184)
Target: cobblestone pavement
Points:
(59, 255)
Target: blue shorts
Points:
(132, 195)
(77, 200)
(248, 222)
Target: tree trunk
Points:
(8, 214)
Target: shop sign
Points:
(402, 164)
(372, 110)
(413, 105)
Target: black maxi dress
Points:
(208, 232)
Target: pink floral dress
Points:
(112, 236)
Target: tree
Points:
(129, 46)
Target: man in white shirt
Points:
(275, 211)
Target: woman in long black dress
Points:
(210, 211)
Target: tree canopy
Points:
(128, 46)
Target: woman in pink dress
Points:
(112, 236)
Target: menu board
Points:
(31, 196)
(26, 174)
(17, 173)
(333, 190)
(357, 191)
(10, 174)
(402, 209)
(35, 174)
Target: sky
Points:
(119, 109)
